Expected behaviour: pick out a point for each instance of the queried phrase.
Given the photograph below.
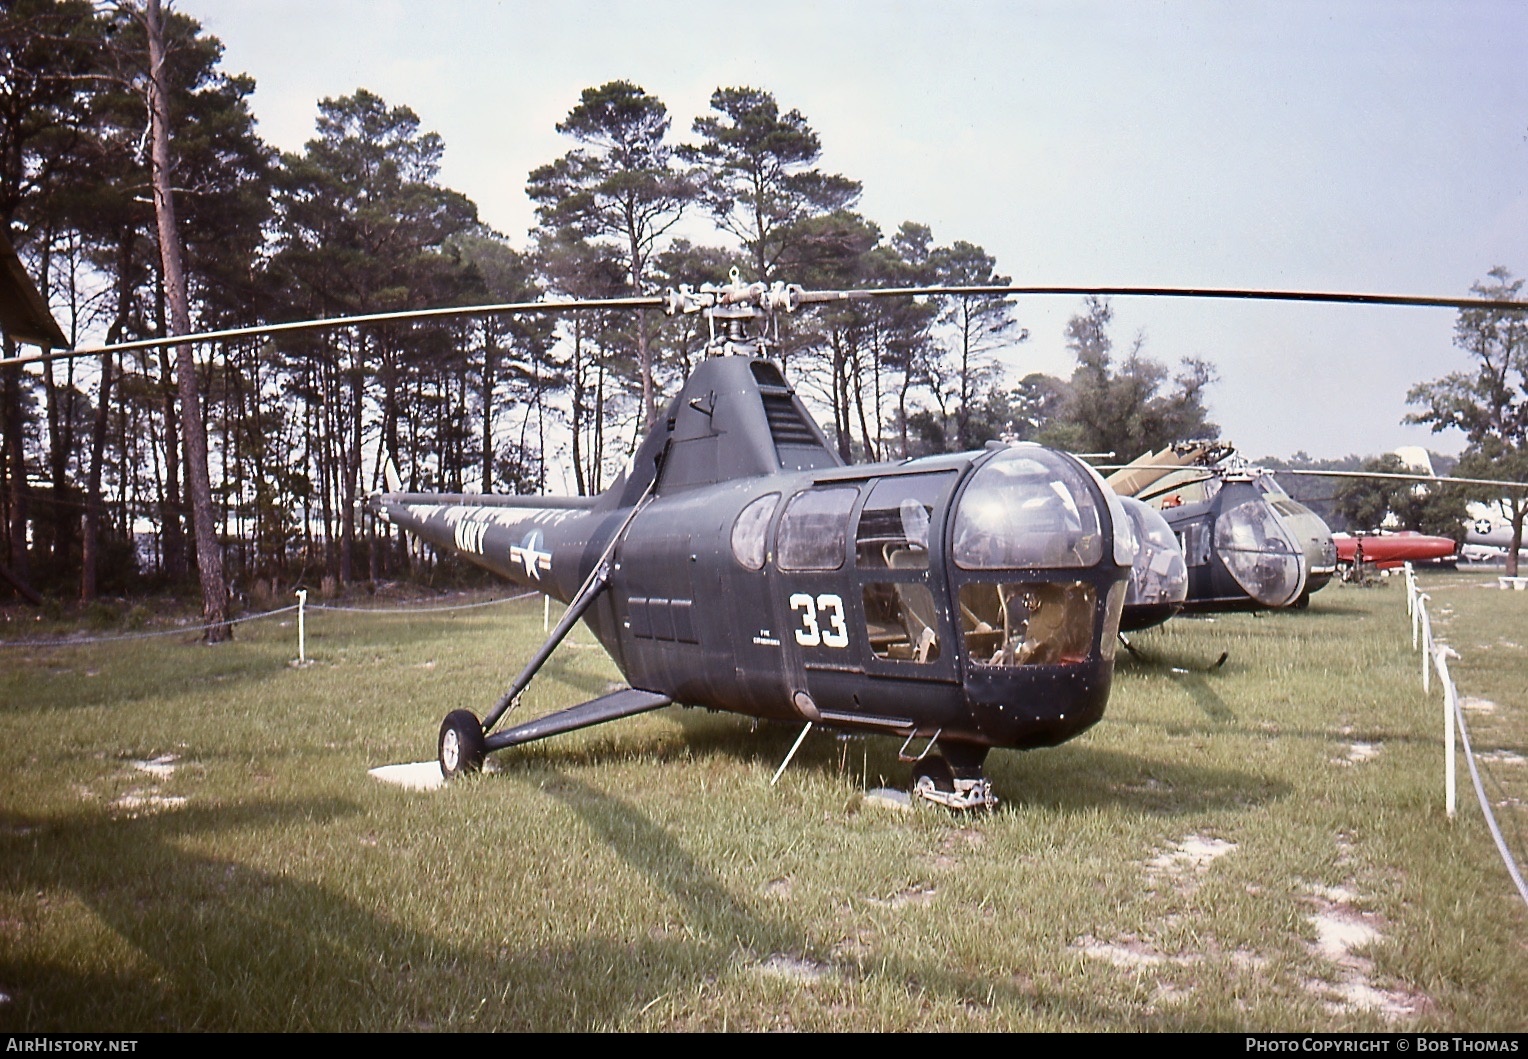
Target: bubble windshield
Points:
(1260, 555)
(1159, 574)
(1028, 508)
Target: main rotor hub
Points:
(731, 307)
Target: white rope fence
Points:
(1435, 655)
(302, 606)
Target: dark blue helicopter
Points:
(963, 602)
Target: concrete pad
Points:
(890, 799)
(418, 776)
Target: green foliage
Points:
(758, 177)
(622, 188)
(1490, 404)
(362, 219)
(622, 184)
(1368, 504)
(1128, 407)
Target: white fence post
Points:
(1450, 699)
(1418, 617)
(1427, 648)
(302, 626)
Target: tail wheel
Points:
(461, 746)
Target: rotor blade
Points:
(1164, 490)
(402, 315)
(1224, 293)
(798, 297)
(1439, 479)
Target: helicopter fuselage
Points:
(974, 598)
(801, 596)
(1249, 546)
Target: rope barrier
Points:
(1485, 804)
(183, 630)
(178, 631)
(1454, 721)
(421, 610)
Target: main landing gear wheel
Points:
(461, 744)
(935, 781)
(931, 774)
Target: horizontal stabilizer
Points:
(624, 703)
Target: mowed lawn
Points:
(190, 840)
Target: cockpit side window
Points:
(750, 531)
(815, 527)
(1030, 623)
(895, 523)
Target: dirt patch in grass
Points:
(142, 800)
(1186, 863)
(791, 968)
(1358, 753)
(917, 894)
(954, 846)
(1131, 953)
(1343, 931)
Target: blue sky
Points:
(1338, 145)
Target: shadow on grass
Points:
(731, 933)
(1079, 777)
(1073, 777)
(211, 944)
(1338, 610)
(181, 940)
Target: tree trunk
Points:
(209, 559)
(14, 462)
(91, 536)
(490, 363)
(578, 407)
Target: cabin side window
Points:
(1195, 543)
(815, 527)
(901, 621)
(894, 526)
(751, 531)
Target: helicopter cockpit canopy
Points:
(1159, 575)
(1030, 507)
(1258, 552)
(1034, 519)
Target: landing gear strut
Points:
(954, 778)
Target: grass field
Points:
(189, 840)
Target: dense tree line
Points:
(95, 487)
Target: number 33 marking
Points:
(831, 632)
